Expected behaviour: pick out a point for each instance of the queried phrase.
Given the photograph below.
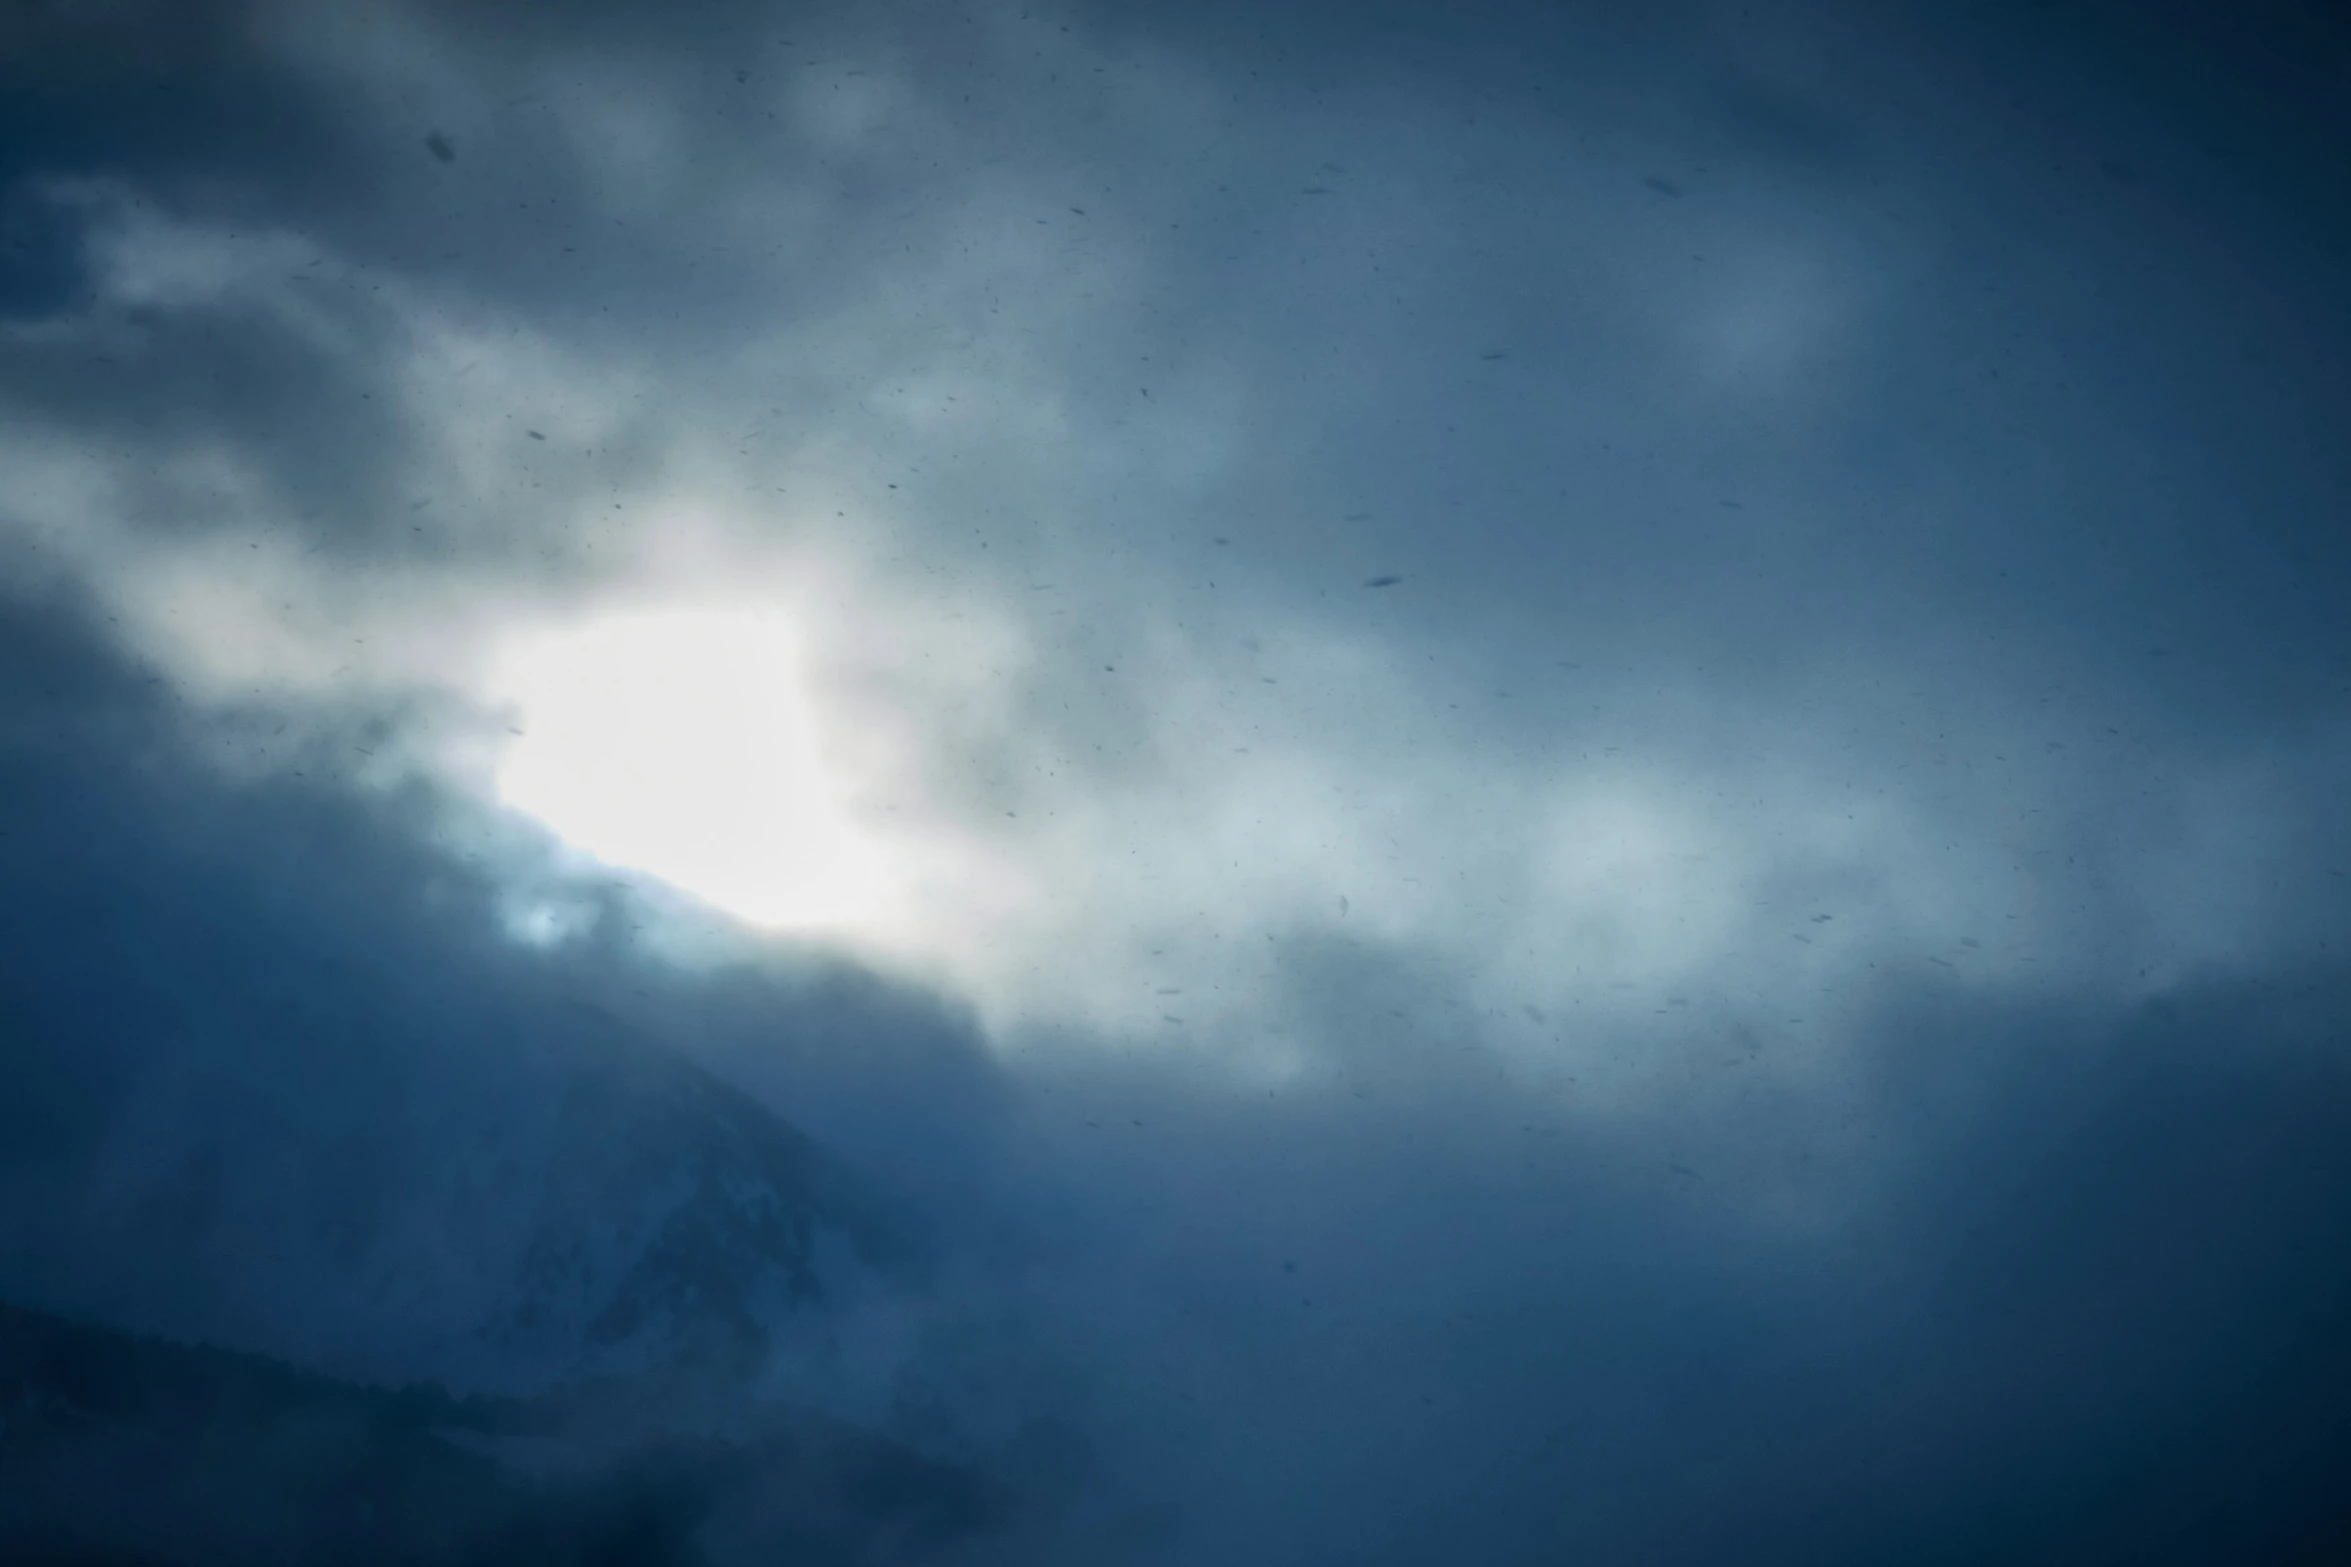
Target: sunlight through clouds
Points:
(967, 566)
(682, 744)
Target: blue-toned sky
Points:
(1565, 782)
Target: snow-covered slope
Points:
(678, 1225)
(568, 1201)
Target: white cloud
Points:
(969, 448)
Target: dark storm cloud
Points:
(1954, 337)
(1778, 996)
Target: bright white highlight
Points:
(682, 744)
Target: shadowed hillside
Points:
(121, 1449)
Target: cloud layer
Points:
(1555, 780)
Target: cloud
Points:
(1859, 638)
(923, 399)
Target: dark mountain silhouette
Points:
(120, 1449)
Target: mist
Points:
(1125, 784)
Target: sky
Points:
(1548, 781)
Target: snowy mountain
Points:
(502, 1213)
(679, 1225)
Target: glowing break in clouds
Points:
(682, 744)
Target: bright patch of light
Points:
(683, 745)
